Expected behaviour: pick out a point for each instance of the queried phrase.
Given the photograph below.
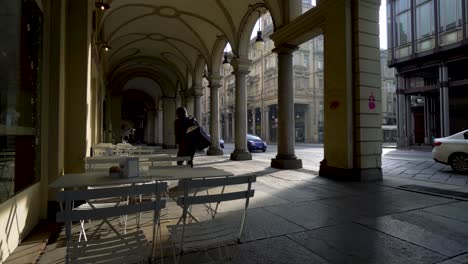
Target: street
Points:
(416, 164)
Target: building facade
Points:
(427, 42)
(262, 90)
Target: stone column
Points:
(160, 122)
(169, 118)
(253, 121)
(285, 159)
(444, 101)
(402, 138)
(241, 69)
(310, 125)
(189, 104)
(116, 117)
(215, 83)
(266, 124)
(197, 94)
(150, 129)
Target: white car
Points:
(452, 150)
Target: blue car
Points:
(255, 143)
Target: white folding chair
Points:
(110, 247)
(216, 232)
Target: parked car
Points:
(452, 150)
(255, 143)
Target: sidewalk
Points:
(297, 217)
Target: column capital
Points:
(285, 49)
(241, 65)
(215, 81)
(198, 91)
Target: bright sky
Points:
(382, 24)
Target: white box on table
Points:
(131, 167)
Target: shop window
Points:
(20, 97)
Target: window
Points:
(20, 99)
(450, 14)
(319, 65)
(402, 22)
(424, 18)
(389, 26)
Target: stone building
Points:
(262, 90)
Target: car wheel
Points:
(459, 162)
(263, 150)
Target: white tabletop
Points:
(179, 173)
(85, 179)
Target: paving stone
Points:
(406, 175)
(457, 179)
(440, 234)
(429, 171)
(275, 250)
(439, 177)
(458, 211)
(314, 214)
(462, 259)
(353, 243)
(421, 176)
(262, 224)
(364, 207)
(412, 171)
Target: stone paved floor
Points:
(424, 169)
(297, 217)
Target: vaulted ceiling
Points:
(175, 39)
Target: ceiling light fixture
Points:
(106, 46)
(226, 65)
(101, 5)
(259, 42)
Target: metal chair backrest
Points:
(187, 200)
(68, 215)
(68, 197)
(188, 184)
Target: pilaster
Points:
(77, 84)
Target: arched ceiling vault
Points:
(174, 39)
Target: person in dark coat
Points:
(181, 124)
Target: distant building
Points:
(427, 42)
(389, 121)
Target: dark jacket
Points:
(186, 147)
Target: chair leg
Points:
(82, 231)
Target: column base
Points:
(214, 152)
(169, 146)
(286, 164)
(241, 155)
(354, 174)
